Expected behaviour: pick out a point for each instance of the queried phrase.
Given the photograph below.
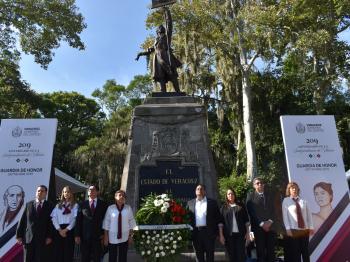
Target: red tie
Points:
(92, 207)
(66, 210)
(301, 223)
(119, 235)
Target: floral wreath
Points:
(163, 230)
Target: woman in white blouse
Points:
(118, 225)
(63, 219)
(297, 220)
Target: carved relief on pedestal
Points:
(170, 142)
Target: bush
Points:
(238, 183)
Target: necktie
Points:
(92, 207)
(38, 208)
(301, 223)
(262, 199)
(119, 235)
(66, 209)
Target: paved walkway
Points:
(185, 257)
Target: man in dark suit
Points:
(260, 206)
(88, 229)
(206, 222)
(35, 228)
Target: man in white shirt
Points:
(118, 224)
(206, 222)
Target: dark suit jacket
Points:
(241, 215)
(213, 216)
(259, 209)
(89, 226)
(33, 224)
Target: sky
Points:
(115, 31)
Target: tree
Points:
(303, 64)
(111, 96)
(101, 158)
(139, 87)
(307, 33)
(38, 27)
(17, 100)
(316, 29)
(79, 119)
(228, 40)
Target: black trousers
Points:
(118, 252)
(265, 245)
(91, 250)
(297, 247)
(235, 246)
(203, 244)
(64, 246)
(37, 251)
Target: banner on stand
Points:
(25, 162)
(314, 161)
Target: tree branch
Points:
(345, 27)
(251, 61)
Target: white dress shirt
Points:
(58, 218)
(95, 202)
(289, 211)
(234, 221)
(201, 212)
(110, 223)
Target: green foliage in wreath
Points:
(161, 243)
(162, 210)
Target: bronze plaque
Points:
(160, 3)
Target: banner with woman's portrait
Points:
(314, 161)
(25, 162)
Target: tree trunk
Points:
(245, 65)
(238, 147)
(248, 127)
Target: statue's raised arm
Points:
(168, 24)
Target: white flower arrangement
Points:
(160, 248)
(162, 244)
(163, 209)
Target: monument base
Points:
(168, 94)
(168, 150)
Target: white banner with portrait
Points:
(314, 161)
(26, 148)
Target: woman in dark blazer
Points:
(236, 228)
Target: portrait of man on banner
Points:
(13, 198)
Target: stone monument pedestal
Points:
(168, 150)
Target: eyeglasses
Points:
(258, 183)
